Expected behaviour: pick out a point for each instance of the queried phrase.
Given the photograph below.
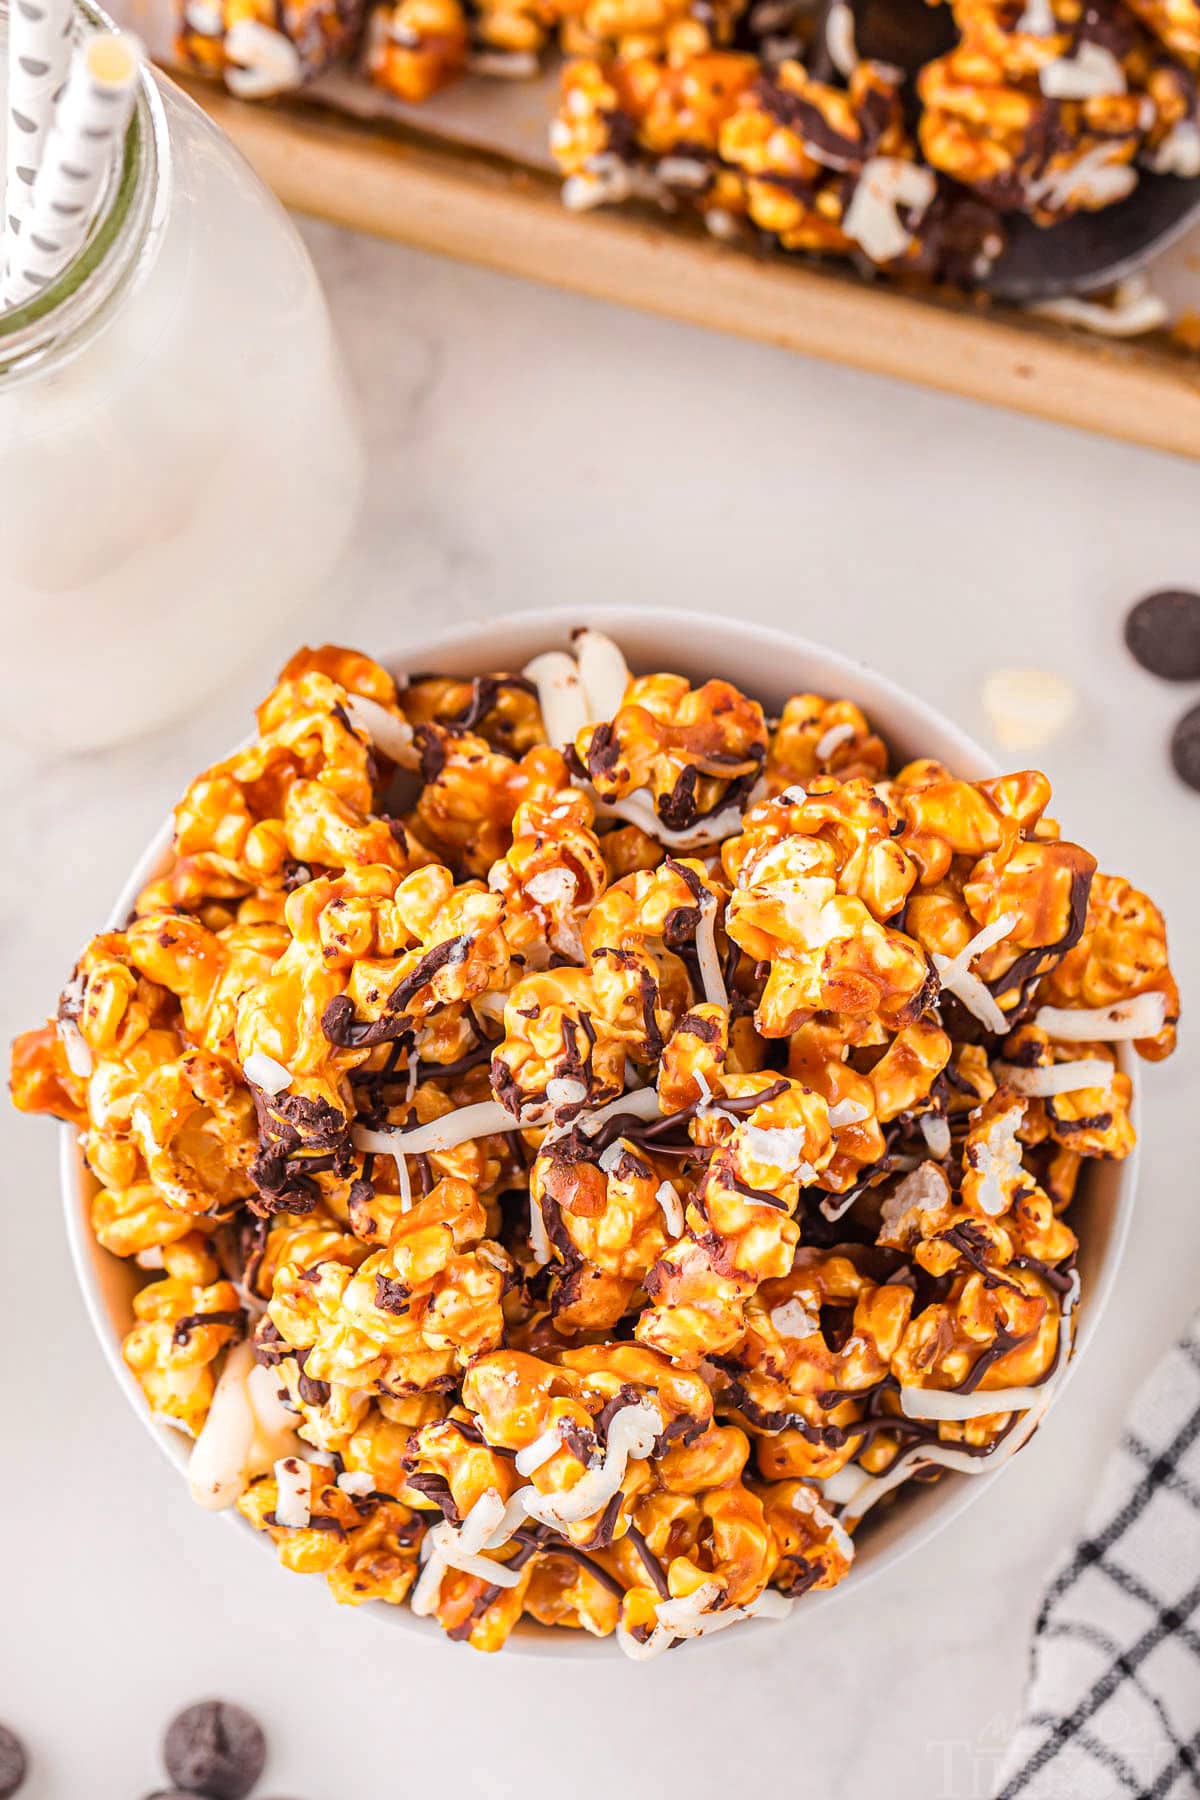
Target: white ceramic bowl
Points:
(769, 665)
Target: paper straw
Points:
(86, 136)
(39, 49)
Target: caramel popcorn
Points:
(365, 1547)
(815, 737)
(814, 877)
(471, 793)
(415, 47)
(814, 166)
(677, 29)
(1120, 955)
(501, 709)
(262, 49)
(581, 1200)
(622, 118)
(1047, 110)
(761, 119)
(693, 750)
(304, 791)
(1176, 23)
(183, 1325)
(807, 149)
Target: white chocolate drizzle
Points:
(560, 695)
(956, 977)
(843, 54)
(1142, 1017)
(1092, 71)
(858, 1498)
(76, 1048)
(939, 1403)
(706, 951)
(808, 1501)
(217, 1466)
(872, 218)
(631, 1435)
(391, 735)
(638, 809)
(405, 1184)
(540, 1451)
(1057, 1078)
(293, 1505)
(692, 1616)
(259, 61)
(672, 1208)
(262, 1071)
(1133, 307)
(539, 1242)
(480, 1120)
(640, 1103)
(836, 735)
(602, 668)
(270, 1403)
(1178, 154)
(836, 1206)
(491, 1522)
(445, 1548)
(1097, 179)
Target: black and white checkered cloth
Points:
(1113, 1704)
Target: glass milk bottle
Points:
(179, 459)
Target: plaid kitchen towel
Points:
(1113, 1705)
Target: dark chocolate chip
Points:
(13, 1766)
(214, 1749)
(1185, 748)
(1163, 633)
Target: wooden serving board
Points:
(401, 182)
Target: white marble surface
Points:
(529, 447)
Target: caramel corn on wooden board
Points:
(403, 182)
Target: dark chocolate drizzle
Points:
(485, 691)
(650, 1562)
(193, 1321)
(343, 1028)
(436, 1488)
(298, 1138)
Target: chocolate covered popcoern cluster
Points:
(771, 122)
(589, 1141)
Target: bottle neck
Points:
(52, 325)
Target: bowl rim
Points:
(857, 680)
